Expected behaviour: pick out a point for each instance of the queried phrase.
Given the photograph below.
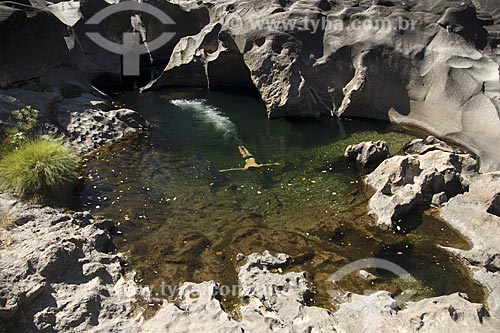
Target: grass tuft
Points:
(38, 168)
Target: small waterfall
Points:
(210, 115)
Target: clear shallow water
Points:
(180, 219)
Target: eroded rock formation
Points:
(405, 183)
(278, 303)
(86, 119)
(56, 274)
(436, 67)
(432, 171)
(32, 42)
(472, 215)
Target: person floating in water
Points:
(250, 162)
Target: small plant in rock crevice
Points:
(22, 126)
(25, 122)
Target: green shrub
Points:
(39, 167)
(26, 119)
(22, 127)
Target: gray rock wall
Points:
(436, 67)
(57, 275)
(439, 73)
(31, 43)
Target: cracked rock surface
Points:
(470, 213)
(439, 71)
(56, 274)
(88, 120)
(277, 303)
(430, 170)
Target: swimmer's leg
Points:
(247, 153)
(242, 151)
(268, 165)
(234, 169)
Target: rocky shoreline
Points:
(57, 276)
(433, 172)
(95, 296)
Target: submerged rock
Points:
(366, 275)
(368, 153)
(405, 183)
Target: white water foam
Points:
(208, 114)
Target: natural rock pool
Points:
(180, 219)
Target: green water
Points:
(180, 219)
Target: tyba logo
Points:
(131, 47)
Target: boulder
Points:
(422, 146)
(368, 153)
(409, 182)
(439, 198)
(89, 124)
